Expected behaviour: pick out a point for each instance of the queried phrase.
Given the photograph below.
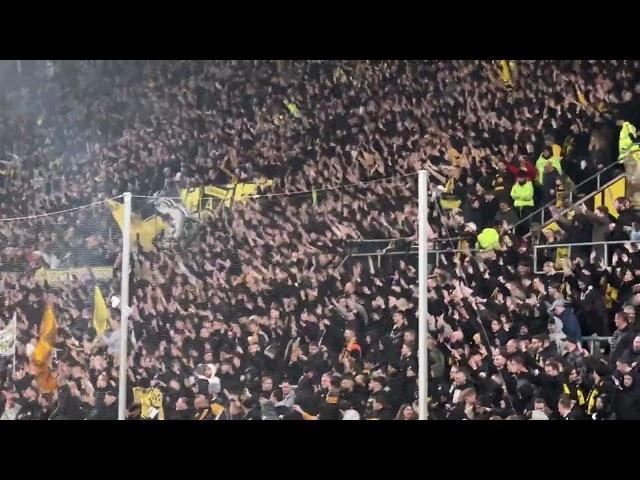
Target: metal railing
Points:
(380, 253)
(581, 201)
(406, 239)
(593, 344)
(379, 240)
(541, 211)
(580, 244)
(413, 251)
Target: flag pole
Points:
(124, 308)
(423, 311)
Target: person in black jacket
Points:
(31, 407)
(316, 360)
(632, 355)
(474, 214)
(549, 178)
(69, 402)
(604, 409)
(380, 408)
(498, 336)
(409, 370)
(518, 374)
(506, 213)
(575, 388)
(396, 381)
(542, 349)
(183, 409)
(602, 385)
(590, 308)
(463, 409)
(109, 409)
(626, 216)
(569, 410)
(627, 399)
(622, 339)
(550, 383)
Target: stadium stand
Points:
(254, 291)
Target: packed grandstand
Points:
(274, 271)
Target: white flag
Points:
(133, 337)
(8, 338)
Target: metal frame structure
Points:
(581, 244)
(540, 211)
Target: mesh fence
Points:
(59, 259)
(257, 288)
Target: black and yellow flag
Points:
(150, 400)
(100, 311)
(144, 231)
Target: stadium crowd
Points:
(257, 314)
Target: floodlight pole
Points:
(423, 310)
(124, 308)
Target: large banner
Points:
(57, 277)
(211, 196)
(608, 196)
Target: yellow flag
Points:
(145, 231)
(150, 400)
(142, 231)
(610, 296)
(191, 198)
(47, 382)
(562, 253)
(581, 98)
(505, 74)
(100, 312)
(117, 210)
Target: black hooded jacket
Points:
(627, 401)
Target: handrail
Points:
(578, 244)
(582, 244)
(414, 238)
(575, 188)
(383, 254)
(582, 200)
(378, 240)
(591, 342)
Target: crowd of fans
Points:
(260, 314)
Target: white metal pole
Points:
(423, 311)
(15, 340)
(124, 308)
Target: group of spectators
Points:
(260, 313)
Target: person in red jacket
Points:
(523, 166)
